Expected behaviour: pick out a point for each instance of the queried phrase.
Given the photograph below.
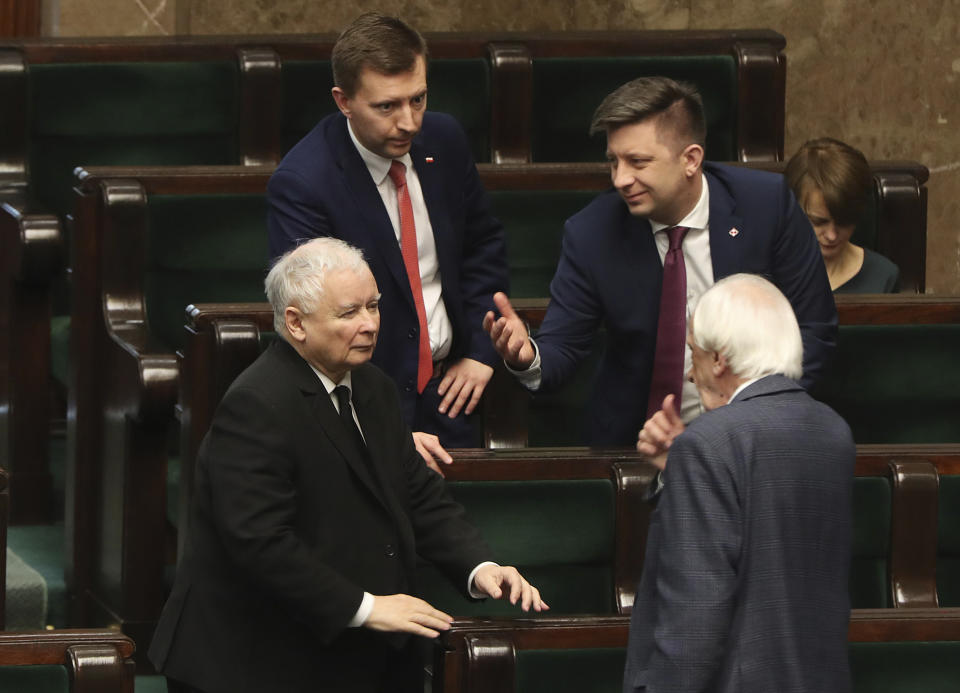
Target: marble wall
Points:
(883, 75)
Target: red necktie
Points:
(408, 248)
(671, 326)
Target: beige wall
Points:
(882, 75)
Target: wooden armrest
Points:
(31, 245)
(632, 479)
(761, 98)
(99, 661)
(913, 540)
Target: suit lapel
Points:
(370, 204)
(725, 227)
(430, 171)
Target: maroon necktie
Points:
(671, 326)
(408, 248)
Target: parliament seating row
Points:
(180, 236)
(246, 99)
(892, 377)
(896, 526)
(891, 651)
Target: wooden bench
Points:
(80, 661)
(910, 338)
(898, 559)
(890, 650)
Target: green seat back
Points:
(595, 670)
(460, 87)
(948, 543)
(534, 221)
(905, 667)
(151, 113)
(202, 248)
(35, 679)
(871, 543)
(559, 534)
(896, 383)
(566, 92)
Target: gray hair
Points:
(747, 319)
(297, 278)
(677, 106)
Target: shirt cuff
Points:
(363, 612)
(529, 377)
(473, 573)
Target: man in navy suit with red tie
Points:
(637, 258)
(400, 183)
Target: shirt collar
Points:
(699, 216)
(378, 166)
(329, 385)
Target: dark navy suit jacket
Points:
(745, 580)
(323, 188)
(610, 273)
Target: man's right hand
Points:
(401, 613)
(659, 431)
(509, 334)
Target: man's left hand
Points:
(492, 579)
(462, 385)
(428, 445)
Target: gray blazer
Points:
(745, 581)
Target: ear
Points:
(342, 100)
(293, 319)
(719, 364)
(692, 159)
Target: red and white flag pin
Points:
(428, 159)
(734, 232)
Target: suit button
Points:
(408, 388)
(391, 551)
(412, 334)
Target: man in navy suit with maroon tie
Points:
(636, 259)
(400, 183)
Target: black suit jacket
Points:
(289, 527)
(323, 188)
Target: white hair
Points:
(747, 319)
(297, 278)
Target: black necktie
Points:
(346, 416)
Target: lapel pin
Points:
(733, 232)
(428, 159)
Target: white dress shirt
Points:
(438, 323)
(699, 268)
(366, 604)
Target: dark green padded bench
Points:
(99, 101)
(66, 661)
(908, 338)
(894, 379)
(891, 651)
(146, 247)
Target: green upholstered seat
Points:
(948, 544)
(460, 87)
(41, 547)
(905, 667)
(566, 91)
(896, 383)
(559, 534)
(202, 248)
(597, 670)
(871, 543)
(114, 114)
